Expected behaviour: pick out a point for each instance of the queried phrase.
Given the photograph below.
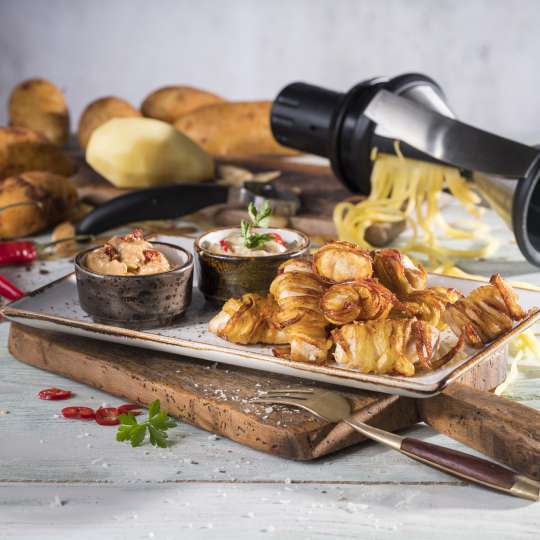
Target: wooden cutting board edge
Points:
(115, 370)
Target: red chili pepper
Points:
(225, 245)
(107, 416)
(20, 252)
(133, 408)
(78, 413)
(25, 251)
(278, 238)
(54, 393)
(9, 290)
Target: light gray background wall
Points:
(485, 53)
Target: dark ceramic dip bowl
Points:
(230, 276)
(145, 301)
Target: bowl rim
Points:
(189, 263)
(276, 256)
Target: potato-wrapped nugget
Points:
(247, 320)
(427, 305)
(100, 111)
(337, 262)
(232, 129)
(23, 149)
(298, 291)
(51, 198)
(386, 345)
(171, 102)
(397, 272)
(39, 105)
(361, 300)
(486, 313)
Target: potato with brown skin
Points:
(239, 128)
(100, 111)
(171, 102)
(54, 195)
(23, 150)
(40, 105)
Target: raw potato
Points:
(141, 152)
(64, 230)
(55, 193)
(171, 102)
(233, 129)
(25, 150)
(100, 111)
(39, 105)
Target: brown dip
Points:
(127, 255)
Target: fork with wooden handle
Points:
(333, 407)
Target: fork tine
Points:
(291, 390)
(291, 395)
(302, 397)
(278, 401)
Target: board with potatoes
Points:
(174, 136)
(179, 133)
(131, 147)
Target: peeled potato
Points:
(40, 105)
(142, 152)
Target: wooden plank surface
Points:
(307, 511)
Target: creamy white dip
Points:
(233, 244)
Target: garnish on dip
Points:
(127, 255)
(248, 241)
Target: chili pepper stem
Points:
(77, 238)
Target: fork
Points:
(333, 407)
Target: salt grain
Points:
(354, 508)
(57, 502)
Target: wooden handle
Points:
(498, 427)
(471, 468)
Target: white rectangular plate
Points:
(56, 307)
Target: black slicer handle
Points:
(155, 203)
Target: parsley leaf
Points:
(255, 240)
(157, 423)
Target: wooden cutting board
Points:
(216, 398)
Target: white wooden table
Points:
(63, 479)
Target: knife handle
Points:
(471, 468)
(167, 202)
(466, 466)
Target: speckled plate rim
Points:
(252, 359)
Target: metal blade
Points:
(449, 140)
